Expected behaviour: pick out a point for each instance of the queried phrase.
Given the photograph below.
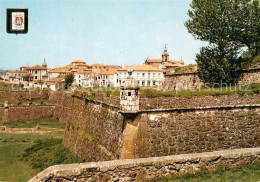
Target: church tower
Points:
(44, 63)
(165, 55)
(129, 94)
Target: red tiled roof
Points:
(37, 67)
(110, 72)
(28, 75)
(141, 67)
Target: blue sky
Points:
(119, 32)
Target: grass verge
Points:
(249, 173)
(48, 152)
(44, 123)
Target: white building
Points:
(109, 78)
(84, 79)
(15, 76)
(145, 75)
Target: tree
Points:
(227, 25)
(69, 80)
(226, 21)
(214, 68)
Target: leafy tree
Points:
(69, 80)
(227, 25)
(213, 67)
(226, 21)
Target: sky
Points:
(118, 32)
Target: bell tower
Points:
(129, 94)
(44, 63)
(165, 55)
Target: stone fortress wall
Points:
(149, 168)
(193, 130)
(23, 95)
(24, 113)
(93, 129)
(97, 131)
(250, 73)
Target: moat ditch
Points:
(24, 154)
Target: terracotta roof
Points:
(153, 60)
(80, 72)
(79, 61)
(54, 80)
(37, 67)
(101, 65)
(16, 71)
(141, 67)
(60, 70)
(28, 75)
(110, 72)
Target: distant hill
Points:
(2, 71)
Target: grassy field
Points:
(20, 153)
(44, 123)
(250, 173)
(12, 146)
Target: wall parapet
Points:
(192, 109)
(26, 113)
(149, 168)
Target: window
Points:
(142, 83)
(79, 76)
(129, 93)
(148, 83)
(143, 74)
(138, 74)
(35, 72)
(154, 83)
(35, 77)
(154, 75)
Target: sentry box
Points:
(17, 20)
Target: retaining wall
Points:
(199, 101)
(23, 95)
(189, 81)
(179, 131)
(149, 168)
(93, 130)
(25, 113)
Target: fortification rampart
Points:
(26, 113)
(199, 101)
(11, 96)
(149, 168)
(93, 129)
(97, 131)
(189, 81)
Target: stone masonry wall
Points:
(189, 81)
(2, 111)
(199, 101)
(180, 131)
(63, 105)
(182, 81)
(149, 168)
(22, 95)
(250, 76)
(25, 113)
(93, 130)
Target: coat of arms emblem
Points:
(17, 21)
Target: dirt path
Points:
(37, 130)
